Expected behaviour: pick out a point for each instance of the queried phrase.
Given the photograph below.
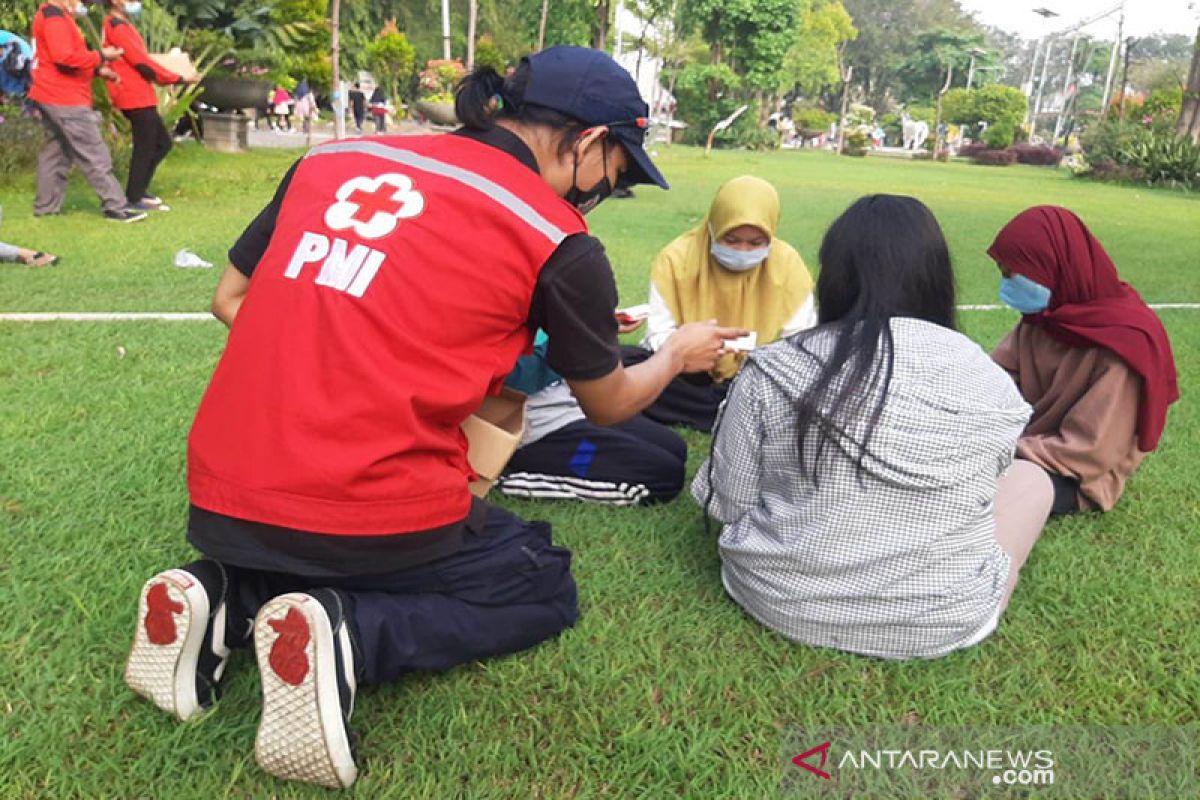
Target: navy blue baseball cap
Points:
(588, 85)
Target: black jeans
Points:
(507, 589)
(689, 400)
(151, 143)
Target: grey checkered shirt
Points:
(902, 563)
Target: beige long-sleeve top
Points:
(1085, 408)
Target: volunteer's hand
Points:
(109, 74)
(698, 345)
(111, 53)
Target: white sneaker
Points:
(179, 651)
(306, 662)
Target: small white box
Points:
(743, 344)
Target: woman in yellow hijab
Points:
(730, 268)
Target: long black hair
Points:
(484, 97)
(884, 257)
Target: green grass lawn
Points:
(664, 688)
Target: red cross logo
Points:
(372, 206)
(380, 200)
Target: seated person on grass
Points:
(864, 469)
(1090, 356)
(565, 456)
(386, 290)
(730, 268)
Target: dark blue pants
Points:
(636, 462)
(506, 590)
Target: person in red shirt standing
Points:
(62, 91)
(385, 291)
(134, 95)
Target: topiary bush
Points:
(1038, 155)
(999, 136)
(972, 149)
(995, 158)
(856, 144)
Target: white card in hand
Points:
(744, 344)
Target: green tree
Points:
(487, 54)
(706, 94)
(888, 36)
(994, 104)
(391, 58)
(998, 104)
(16, 16)
(923, 72)
(812, 63)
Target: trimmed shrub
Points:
(1038, 155)
(856, 144)
(995, 158)
(972, 149)
(999, 136)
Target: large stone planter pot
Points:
(226, 132)
(437, 113)
(229, 94)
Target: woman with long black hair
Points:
(388, 289)
(864, 469)
(134, 95)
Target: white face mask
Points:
(80, 10)
(739, 260)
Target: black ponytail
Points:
(478, 98)
(484, 97)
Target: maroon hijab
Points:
(1090, 306)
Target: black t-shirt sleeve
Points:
(573, 303)
(250, 246)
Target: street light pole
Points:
(975, 52)
(1062, 110)
(446, 29)
(1037, 103)
(1112, 64)
(1031, 115)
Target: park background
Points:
(664, 688)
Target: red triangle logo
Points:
(802, 760)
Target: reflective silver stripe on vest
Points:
(493, 190)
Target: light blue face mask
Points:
(133, 9)
(80, 10)
(1026, 296)
(739, 260)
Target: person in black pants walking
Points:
(134, 95)
(358, 105)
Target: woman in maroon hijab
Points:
(1088, 354)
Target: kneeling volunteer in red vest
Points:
(395, 281)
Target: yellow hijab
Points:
(696, 287)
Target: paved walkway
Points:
(323, 132)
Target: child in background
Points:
(282, 103)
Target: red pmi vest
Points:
(393, 297)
